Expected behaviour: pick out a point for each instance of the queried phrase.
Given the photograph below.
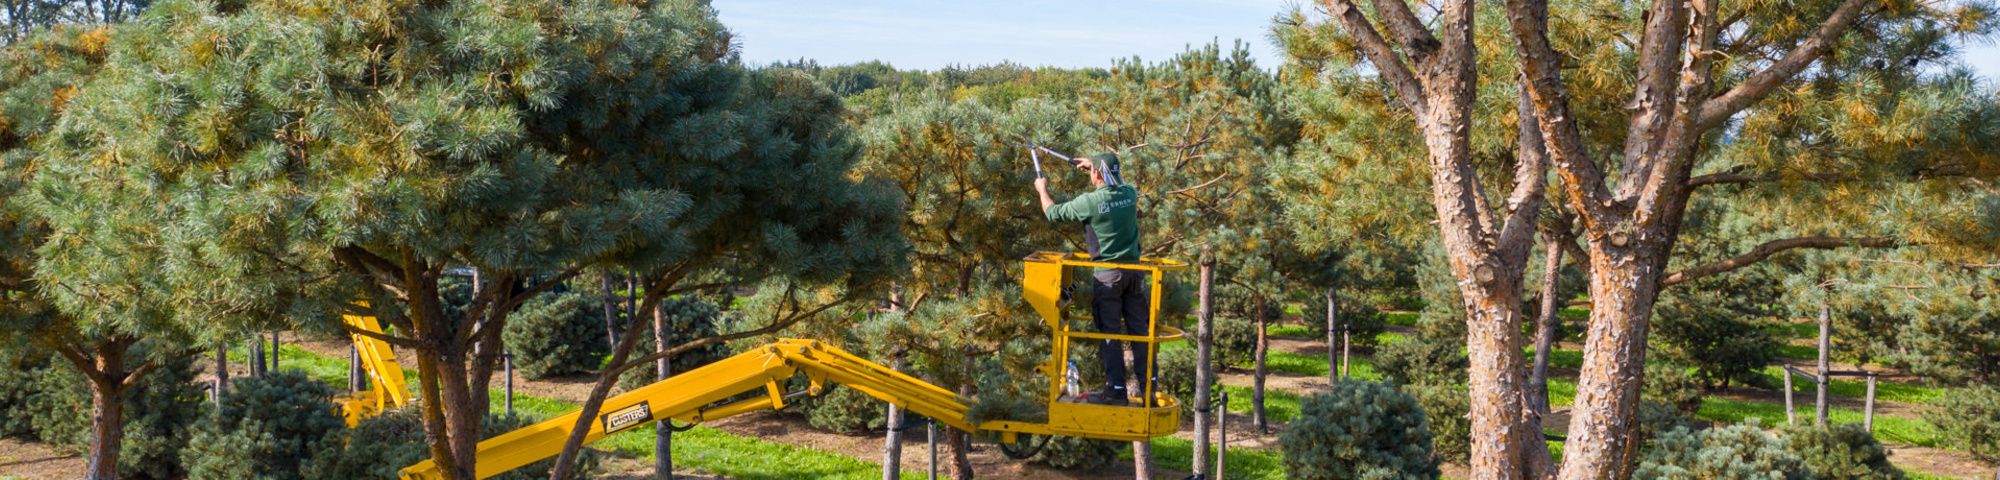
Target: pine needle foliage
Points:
(298, 156)
(1969, 419)
(1842, 451)
(1359, 430)
(557, 334)
(1737, 451)
(263, 429)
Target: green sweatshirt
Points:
(1113, 214)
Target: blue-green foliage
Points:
(158, 410)
(1359, 430)
(1733, 452)
(1843, 451)
(1969, 419)
(557, 334)
(685, 319)
(263, 429)
(383, 444)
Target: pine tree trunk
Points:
(663, 443)
(221, 370)
(463, 408)
(1142, 460)
(1545, 326)
(610, 309)
(1602, 433)
(256, 356)
(1825, 347)
(959, 445)
(892, 444)
(107, 413)
(1257, 416)
(1204, 359)
(1333, 370)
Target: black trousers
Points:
(1119, 306)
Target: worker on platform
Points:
(1119, 300)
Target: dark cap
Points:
(1106, 165)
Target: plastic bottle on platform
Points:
(1072, 383)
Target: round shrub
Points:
(159, 408)
(1969, 419)
(1072, 453)
(556, 334)
(1422, 360)
(1359, 430)
(263, 428)
(686, 319)
(1447, 409)
(1740, 451)
(844, 410)
(1844, 451)
(385, 443)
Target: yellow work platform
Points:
(691, 397)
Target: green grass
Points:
(1291, 330)
(1801, 352)
(1407, 319)
(1244, 463)
(1884, 390)
(1557, 357)
(1573, 313)
(1888, 429)
(701, 449)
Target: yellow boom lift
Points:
(691, 398)
(385, 377)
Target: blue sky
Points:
(929, 34)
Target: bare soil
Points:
(34, 461)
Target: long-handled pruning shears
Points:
(1035, 152)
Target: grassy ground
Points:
(701, 449)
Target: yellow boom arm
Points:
(687, 398)
(388, 388)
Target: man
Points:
(1119, 295)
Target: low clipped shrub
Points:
(1358, 430)
(263, 429)
(1672, 385)
(1739, 451)
(385, 443)
(1447, 409)
(159, 408)
(1845, 451)
(1968, 419)
(686, 319)
(1422, 360)
(844, 410)
(1072, 453)
(557, 334)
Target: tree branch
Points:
(1380, 54)
(1541, 67)
(1409, 30)
(1762, 83)
(1764, 251)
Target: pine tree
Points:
(1813, 106)
(318, 159)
